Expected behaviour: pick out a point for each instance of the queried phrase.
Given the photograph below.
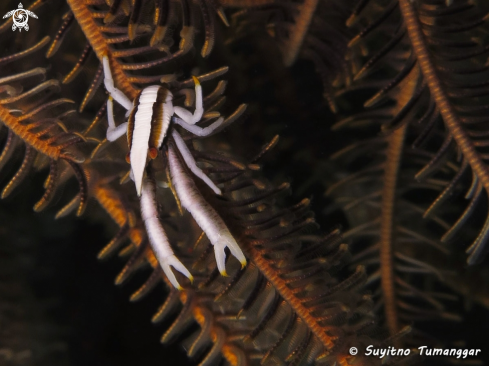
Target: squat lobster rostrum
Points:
(150, 116)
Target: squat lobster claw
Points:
(150, 116)
(157, 236)
(203, 213)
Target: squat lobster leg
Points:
(118, 95)
(114, 132)
(190, 161)
(199, 131)
(188, 117)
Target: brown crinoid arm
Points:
(289, 303)
(448, 111)
(445, 46)
(391, 175)
(100, 44)
(388, 234)
(424, 76)
(111, 30)
(34, 114)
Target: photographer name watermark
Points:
(423, 351)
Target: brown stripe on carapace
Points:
(131, 121)
(157, 118)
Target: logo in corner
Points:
(20, 17)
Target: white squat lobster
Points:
(149, 120)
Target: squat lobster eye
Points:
(153, 153)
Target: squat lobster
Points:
(149, 120)
(150, 116)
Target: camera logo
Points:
(20, 17)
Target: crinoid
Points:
(428, 51)
(191, 205)
(421, 85)
(34, 115)
(264, 313)
(291, 302)
(413, 71)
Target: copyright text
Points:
(423, 351)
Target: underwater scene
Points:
(244, 182)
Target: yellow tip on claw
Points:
(196, 81)
(180, 288)
(191, 278)
(224, 274)
(243, 264)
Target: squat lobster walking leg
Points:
(188, 117)
(115, 93)
(114, 132)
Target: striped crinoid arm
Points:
(442, 48)
(289, 304)
(389, 236)
(113, 28)
(33, 114)
(384, 203)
